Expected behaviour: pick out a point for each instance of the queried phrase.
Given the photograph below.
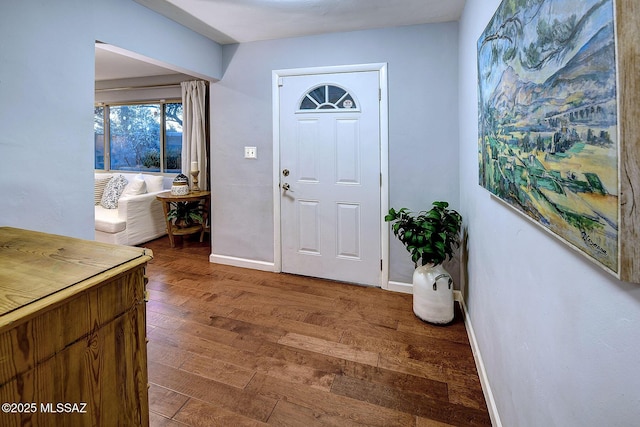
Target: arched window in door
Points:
(328, 97)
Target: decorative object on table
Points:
(430, 237)
(194, 176)
(180, 186)
(557, 100)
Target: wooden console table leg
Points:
(165, 208)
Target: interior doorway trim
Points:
(277, 75)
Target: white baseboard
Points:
(405, 288)
(242, 262)
(482, 373)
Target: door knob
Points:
(286, 186)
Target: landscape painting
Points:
(548, 124)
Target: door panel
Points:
(308, 148)
(330, 201)
(348, 230)
(347, 152)
(309, 227)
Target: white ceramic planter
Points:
(433, 294)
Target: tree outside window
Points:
(98, 139)
(173, 137)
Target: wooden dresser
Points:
(72, 332)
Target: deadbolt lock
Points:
(285, 172)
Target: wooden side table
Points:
(194, 196)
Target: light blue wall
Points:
(47, 95)
(423, 132)
(129, 25)
(559, 337)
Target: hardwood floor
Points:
(236, 347)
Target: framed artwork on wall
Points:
(559, 107)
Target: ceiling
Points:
(242, 21)
(114, 66)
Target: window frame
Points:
(336, 108)
(106, 107)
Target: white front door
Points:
(330, 176)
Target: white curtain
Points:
(194, 138)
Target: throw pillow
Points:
(154, 183)
(98, 188)
(135, 186)
(112, 192)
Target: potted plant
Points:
(186, 214)
(430, 237)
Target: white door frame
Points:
(384, 155)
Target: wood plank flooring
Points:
(237, 347)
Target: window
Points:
(139, 137)
(98, 136)
(327, 97)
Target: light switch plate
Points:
(250, 152)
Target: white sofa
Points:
(138, 217)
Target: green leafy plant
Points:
(185, 214)
(429, 236)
